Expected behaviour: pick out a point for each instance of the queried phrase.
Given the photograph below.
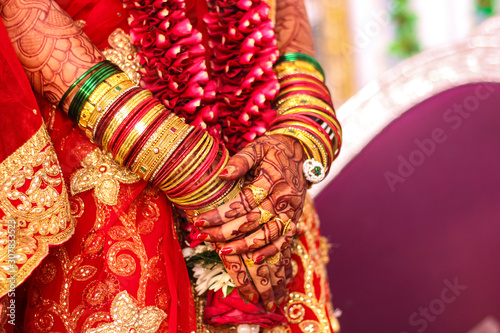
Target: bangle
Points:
(293, 57)
(225, 199)
(121, 114)
(101, 74)
(297, 100)
(316, 149)
(104, 104)
(137, 131)
(314, 171)
(63, 98)
(97, 95)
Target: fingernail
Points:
(259, 259)
(200, 223)
(226, 251)
(202, 237)
(227, 171)
(281, 301)
(271, 307)
(253, 298)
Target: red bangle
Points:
(104, 123)
(195, 186)
(136, 148)
(175, 159)
(128, 124)
(181, 190)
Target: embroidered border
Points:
(34, 203)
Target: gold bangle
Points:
(171, 181)
(138, 130)
(225, 199)
(297, 67)
(168, 148)
(317, 149)
(181, 138)
(313, 130)
(213, 185)
(160, 147)
(120, 116)
(323, 114)
(288, 90)
(101, 90)
(287, 103)
(138, 164)
(104, 104)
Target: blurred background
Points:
(412, 205)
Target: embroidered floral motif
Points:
(124, 54)
(127, 317)
(101, 173)
(34, 208)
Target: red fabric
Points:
(18, 122)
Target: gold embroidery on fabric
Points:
(313, 262)
(34, 202)
(124, 54)
(101, 173)
(128, 317)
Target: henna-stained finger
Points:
(260, 274)
(268, 233)
(238, 273)
(239, 226)
(287, 260)
(272, 249)
(278, 279)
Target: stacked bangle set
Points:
(305, 112)
(126, 120)
(184, 161)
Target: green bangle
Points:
(300, 56)
(88, 87)
(79, 80)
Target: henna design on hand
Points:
(52, 49)
(293, 31)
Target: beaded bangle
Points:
(87, 73)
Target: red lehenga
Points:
(115, 263)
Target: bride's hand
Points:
(274, 163)
(266, 222)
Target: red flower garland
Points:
(235, 105)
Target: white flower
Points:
(188, 252)
(214, 279)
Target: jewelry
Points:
(265, 215)
(273, 260)
(287, 226)
(249, 263)
(314, 171)
(259, 194)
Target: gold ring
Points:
(273, 260)
(287, 226)
(265, 215)
(249, 262)
(259, 194)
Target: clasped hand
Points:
(253, 232)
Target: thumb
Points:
(242, 162)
